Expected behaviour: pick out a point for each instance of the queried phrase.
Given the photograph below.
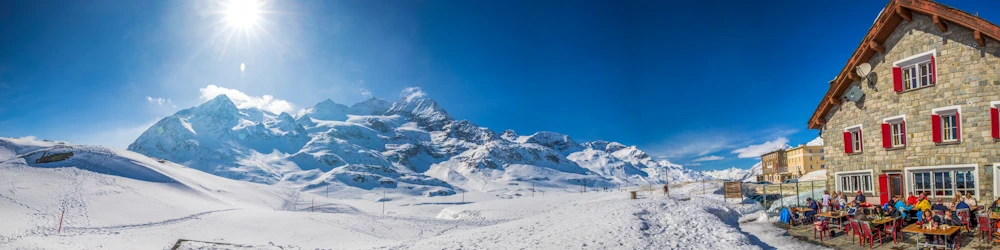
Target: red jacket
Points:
(911, 200)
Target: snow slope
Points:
(818, 175)
(815, 142)
(102, 188)
(116, 199)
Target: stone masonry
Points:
(967, 75)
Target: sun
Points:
(242, 14)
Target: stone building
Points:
(927, 119)
(774, 166)
(804, 159)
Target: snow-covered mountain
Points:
(411, 146)
(736, 174)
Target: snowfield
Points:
(117, 199)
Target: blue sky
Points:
(682, 80)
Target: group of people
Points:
(915, 208)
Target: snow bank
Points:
(818, 175)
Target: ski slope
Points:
(116, 199)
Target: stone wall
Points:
(967, 75)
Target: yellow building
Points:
(804, 159)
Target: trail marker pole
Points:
(312, 207)
(383, 200)
(61, 220)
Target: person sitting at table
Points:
(852, 209)
(812, 205)
(951, 221)
(961, 204)
(922, 205)
(939, 206)
(911, 199)
(971, 200)
(892, 212)
(901, 206)
(860, 198)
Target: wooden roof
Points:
(894, 13)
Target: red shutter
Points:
(902, 130)
(897, 79)
(861, 140)
(958, 127)
(933, 71)
(936, 127)
(847, 143)
(995, 120)
(886, 136)
(883, 188)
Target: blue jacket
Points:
(901, 206)
(961, 205)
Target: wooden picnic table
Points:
(839, 217)
(952, 230)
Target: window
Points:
(894, 132)
(917, 75)
(822, 166)
(822, 158)
(965, 182)
(921, 182)
(897, 134)
(945, 183)
(854, 182)
(942, 184)
(946, 124)
(915, 72)
(950, 127)
(856, 140)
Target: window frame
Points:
(897, 127)
(857, 137)
(916, 69)
(947, 190)
(949, 111)
(852, 181)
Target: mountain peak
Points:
(372, 106)
(413, 102)
(221, 103)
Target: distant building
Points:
(804, 159)
(775, 166)
(924, 118)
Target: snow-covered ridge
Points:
(412, 146)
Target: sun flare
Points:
(242, 14)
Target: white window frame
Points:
(857, 135)
(996, 178)
(856, 180)
(949, 111)
(915, 77)
(910, 182)
(897, 125)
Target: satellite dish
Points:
(854, 94)
(863, 70)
